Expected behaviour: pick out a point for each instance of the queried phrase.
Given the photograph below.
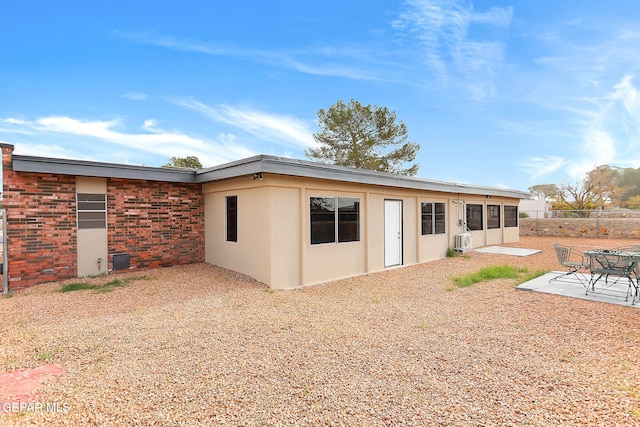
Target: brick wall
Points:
(41, 225)
(157, 223)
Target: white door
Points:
(392, 232)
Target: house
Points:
(535, 208)
(285, 222)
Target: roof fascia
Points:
(98, 169)
(302, 168)
(251, 166)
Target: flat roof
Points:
(250, 166)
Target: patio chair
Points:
(574, 260)
(619, 265)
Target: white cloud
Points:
(344, 62)
(155, 140)
(608, 133)
(441, 27)
(135, 96)
(539, 167)
(45, 150)
(598, 148)
(628, 94)
(279, 129)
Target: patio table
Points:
(604, 263)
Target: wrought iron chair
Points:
(574, 260)
(617, 264)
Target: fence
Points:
(593, 224)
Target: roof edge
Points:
(294, 167)
(99, 169)
(261, 163)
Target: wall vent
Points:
(121, 261)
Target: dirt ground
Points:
(201, 345)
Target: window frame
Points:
(93, 209)
(336, 215)
(493, 215)
(437, 220)
(513, 219)
(231, 219)
(480, 209)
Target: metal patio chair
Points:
(574, 260)
(620, 265)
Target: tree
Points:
(544, 191)
(603, 182)
(629, 186)
(581, 198)
(634, 202)
(363, 137)
(189, 162)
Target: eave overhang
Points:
(262, 164)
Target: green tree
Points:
(189, 162)
(363, 137)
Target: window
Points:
(493, 216)
(348, 219)
(327, 222)
(474, 217)
(510, 216)
(433, 218)
(232, 218)
(92, 211)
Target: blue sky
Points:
(497, 93)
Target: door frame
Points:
(400, 204)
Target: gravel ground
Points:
(200, 345)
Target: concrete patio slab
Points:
(570, 286)
(501, 250)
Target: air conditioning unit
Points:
(464, 242)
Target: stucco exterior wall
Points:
(250, 254)
(274, 242)
(92, 244)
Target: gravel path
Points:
(200, 345)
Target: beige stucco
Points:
(274, 229)
(92, 245)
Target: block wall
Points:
(609, 228)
